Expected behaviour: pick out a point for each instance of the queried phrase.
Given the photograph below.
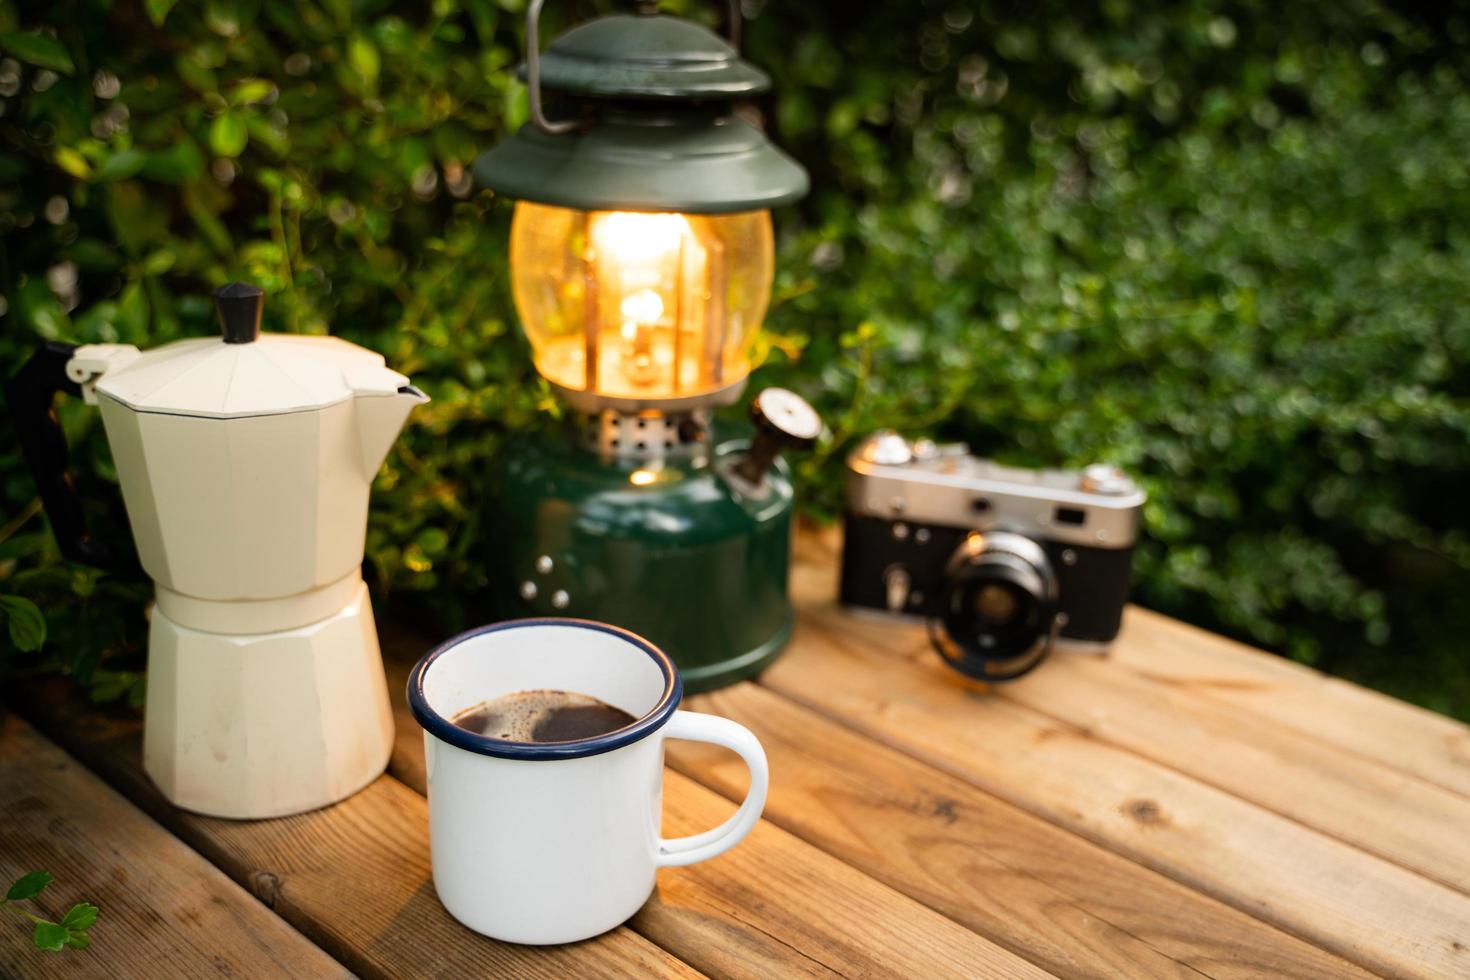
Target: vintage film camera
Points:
(1002, 562)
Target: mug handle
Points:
(695, 727)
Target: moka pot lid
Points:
(245, 372)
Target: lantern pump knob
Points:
(239, 305)
(783, 420)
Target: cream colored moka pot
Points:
(245, 463)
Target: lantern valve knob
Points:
(783, 420)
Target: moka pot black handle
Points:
(30, 396)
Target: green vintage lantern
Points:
(641, 261)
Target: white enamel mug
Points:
(553, 842)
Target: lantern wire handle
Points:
(732, 28)
(533, 76)
(533, 60)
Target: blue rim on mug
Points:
(447, 731)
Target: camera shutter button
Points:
(1104, 478)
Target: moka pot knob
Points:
(239, 306)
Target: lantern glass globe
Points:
(641, 305)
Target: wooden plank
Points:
(1287, 694)
(1377, 806)
(1358, 906)
(1382, 810)
(353, 877)
(773, 906)
(1071, 906)
(165, 911)
(1294, 696)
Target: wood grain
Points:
(1285, 694)
(1351, 903)
(772, 906)
(775, 906)
(165, 911)
(1296, 697)
(353, 877)
(1187, 806)
(1066, 903)
(1380, 809)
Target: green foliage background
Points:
(1223, 244)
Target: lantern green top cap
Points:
(701, 165)
(647, 57)
(645, 125)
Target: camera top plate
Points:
(925, 483)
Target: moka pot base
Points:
(254, 725)
(677, 550)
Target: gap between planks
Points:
(1080, 909)
(772, 906)
(1321, 708)
(353, 877)
(57, 816)
(1384, 811)
(1331, 894)
(1363, 802)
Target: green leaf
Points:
(39, 308)
(80, 916)
(41, 50)
(198, 76)
(93, 255)
(109, 685)
(121, 165)
(133, 313)
(50, 936)
(27, 631)
(157, 10)
(177, 164)
(200, 208)
(72, 162)
(248, 90)
(433, 541)
(159, 261)
(454, 143)
(223, 17)
(228, 135)
(29, 886)
(362, 56)
(516, 106)
(79, 940)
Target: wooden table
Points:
(1182, 806)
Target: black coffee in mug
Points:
(543, 716)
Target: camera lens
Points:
(999, 607)
(995, 604)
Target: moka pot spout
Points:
(379, 419)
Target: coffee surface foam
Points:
(542, 716)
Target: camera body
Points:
(1001, 561)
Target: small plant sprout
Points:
(51, 936)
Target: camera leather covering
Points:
(1092, 582)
